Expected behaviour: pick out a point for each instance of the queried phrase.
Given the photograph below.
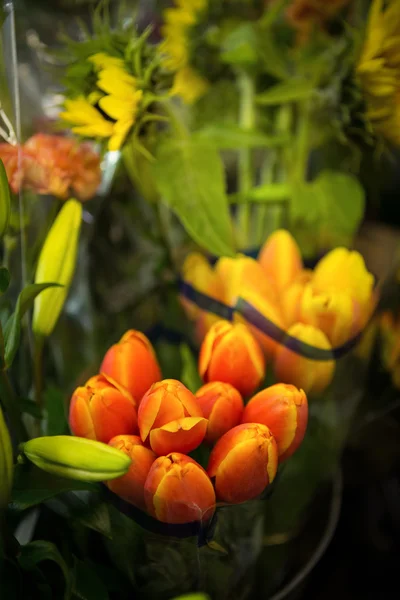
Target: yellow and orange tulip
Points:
(132, 363)
(171, 419)
(243, 462)
(280, 259)
(313, 376)
(222, 405)
(102, 409)
(284, 410)
(178, 490)
(130, 487)
(230, 353)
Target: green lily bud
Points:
(5, 203)
(76, 458)
(6, 463)
(56, 265)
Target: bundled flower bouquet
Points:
(190, 455)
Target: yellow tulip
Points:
(56, 265)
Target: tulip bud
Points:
(101, 409)
(231, 354)
(6, 463)
(171, 418)
(222, 405)
(5, 203)
(335, 313)
(240, 274)
(313, 376)
(243, 462)
(76, 458)
(284, 410)
(178, 490)
(130, 487)
(132, 363)
(56, 265)
(198, 272)
(281, 259)
(342, 270)
(268, 309)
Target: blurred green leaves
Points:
(191, 181)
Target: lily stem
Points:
(245, 171)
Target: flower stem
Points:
(245, 174)
(38, 378)
(10, 402)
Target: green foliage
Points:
(32, 486)
(38, 551)
(55, 412)
(333, 203)
(190, 178)
(4, 279)
(190, 374)
(228, 137)
(12, 330)
(293, 90)
(87, 585)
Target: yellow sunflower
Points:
(378, 69)
(178, 21)
(117, 96)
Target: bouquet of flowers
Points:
(237, 131)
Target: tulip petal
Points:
(182, 435)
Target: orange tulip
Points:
(281, 259)
(101, 409)
(198, 272)
(132, 363)
(243, 462)
(313, 376)
(178, 490)
(170, 416)
(231, 354)
(284, 410)
(222, 405)
(130, 487)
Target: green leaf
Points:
(38, 551)
(33, 486)
(30, 407)
(333, 204)
(190, 374)
(293, 90)
(56, 419)
(12, 330)
(227, 137)
(190, 177)
(84, 507)
(4, 279)
(240, 46)
(86, 583)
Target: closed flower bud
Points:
(342, 270)
(268, 309)
(198, 272)
(76, 458)
(312, 376)
(281, 259)
(5, 203)
(335, 313)
(222, 405)
(284, 410)
(240, 274)
(101, 409)
(231, 354)
(171, 418)
(56, 265)
(243, 462)
(178, 490)
(132, 363)
(130, 487)
(6, 463)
